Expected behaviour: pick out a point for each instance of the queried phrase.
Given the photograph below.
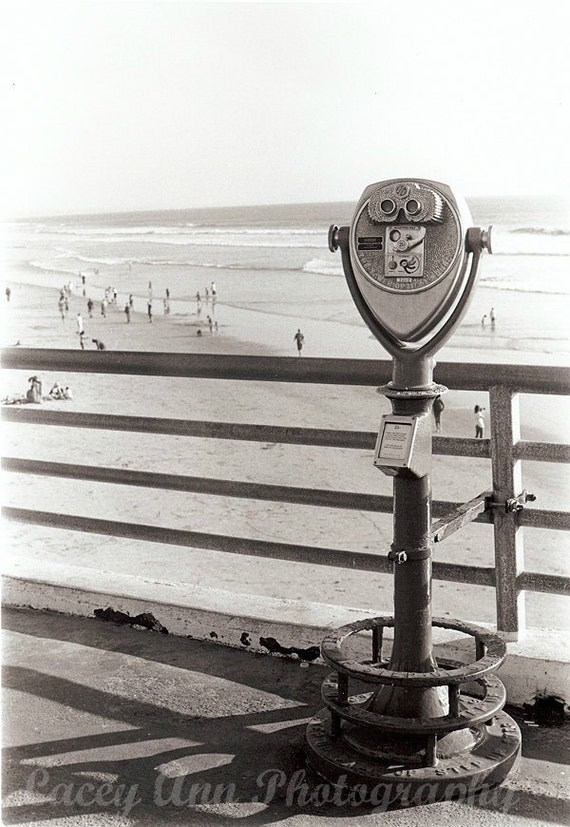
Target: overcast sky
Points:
(128, 105)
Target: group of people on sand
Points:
(64, 296)
(83, 335)
(110, 299)
(129, 307)
(63, 305)
(34, 394)
(210, 294)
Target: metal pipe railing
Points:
(321, 437)
(457, 375)
(505, 449)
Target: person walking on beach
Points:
(90, 308)
(492, 317)
(149, 310)
(128, 313)
(80, 324)
(131, 301)
(61, 306)
(8, 294)
(479, 422)
(300, 339)
(438, 407)
(104, 308)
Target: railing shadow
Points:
(214, 733)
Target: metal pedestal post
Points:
(417, 726)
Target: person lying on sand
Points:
(32, 395)
(57, 392)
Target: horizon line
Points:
(258, 205)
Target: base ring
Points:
(485, 766)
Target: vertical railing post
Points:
(507, 483)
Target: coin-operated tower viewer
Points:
(410, 259)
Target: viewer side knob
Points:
(333, 238)
(486, 240)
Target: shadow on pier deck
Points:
(111, 725)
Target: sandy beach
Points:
(32, 320)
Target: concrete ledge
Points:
(537, 665)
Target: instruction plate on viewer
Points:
(395, 441)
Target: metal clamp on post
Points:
(515, 504)
(398, 557)
(402, 555)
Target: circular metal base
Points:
(495, 751)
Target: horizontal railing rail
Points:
(322, 437)
(457, 375)
(505, 449)
(314, 555)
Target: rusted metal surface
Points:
(462, 516)
(544, 518)
(493, 650)
(542, 451)
(356, 711)
(461, 447)
(549, 583)
(507, 483)
(459, 573)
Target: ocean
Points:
(273, 261)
